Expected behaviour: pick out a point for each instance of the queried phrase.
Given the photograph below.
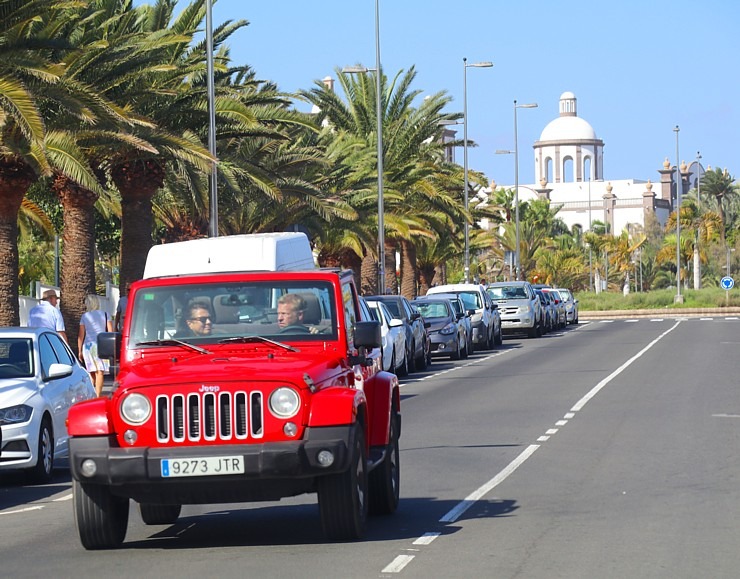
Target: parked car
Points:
(447, 336)
(464, 318)
(559, 306)
(520, 309)
(548, 309)
(40, 379)
(417, 341)
(485, 316)
(571, 305)
(393, 337)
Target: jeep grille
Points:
(209, 416)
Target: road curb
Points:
(658, 313)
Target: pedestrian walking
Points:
(93, 322)
(47, 315)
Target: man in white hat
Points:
(47, 315)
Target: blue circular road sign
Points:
(727, 283)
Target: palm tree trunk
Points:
(78, 251)
(369, 276)
(15, 179)
(137, 181)
(409, 273)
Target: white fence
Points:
(108, 302)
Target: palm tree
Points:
(37, 103)
(414, 182)
(719, 186)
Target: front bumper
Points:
(444, 345)
(272, 470)
(517, 323)
(480, 332)
(19, 446)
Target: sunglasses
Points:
(201, 319)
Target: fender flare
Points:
(90, 418)
(336, 405)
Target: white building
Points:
(569, 170)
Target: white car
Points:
(393, 337)
(40, 379)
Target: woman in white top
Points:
(93, 321)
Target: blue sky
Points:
(637, 67)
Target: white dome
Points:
(567, 95)
(568, 128)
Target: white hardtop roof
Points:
(250, 252)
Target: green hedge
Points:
(658, 299)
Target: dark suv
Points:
(417, 341)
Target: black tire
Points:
(159, 514)
(498, 339)
(385, 480)
(403, 370)
(393, 362)
(421, 361)
(457, 354)
(411, 358)
(101, 517)
(532, 332)
(343, 497)
(41, 473)
(465, 352)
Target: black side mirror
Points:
(109, 345)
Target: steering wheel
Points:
(10, 369)
(295, 329)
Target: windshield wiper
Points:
(247, 339)
(173, 342)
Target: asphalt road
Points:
(606, 450)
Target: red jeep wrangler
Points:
(216, 401)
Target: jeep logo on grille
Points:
(205, 388)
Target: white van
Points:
(485, 318)
(250, 252)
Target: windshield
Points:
(16, 358)
(431, 310)
(472, 300)
(507, 292)
(565, 294)
(211, 312)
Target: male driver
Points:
(47, 315)
(198, 322)
(290, 310)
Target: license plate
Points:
(206, 466)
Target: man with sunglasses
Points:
(198, 321)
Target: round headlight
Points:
(284, 402)
(136, 409)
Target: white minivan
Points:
(485, 316)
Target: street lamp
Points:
(212, 178)
(379, 124)
(465, 155)
(697, 260)
(516, 185)
(678, 298)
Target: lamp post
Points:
(678, 298)
(465, 156)
(590, 262)
(212, 178)
(379, 128)
(516, 186)
(697, 260)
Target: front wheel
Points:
(385, 480)
(101, 517)
(343, 497)
(159, 514)
(498, 337)
(41, 473)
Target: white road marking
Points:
(456, 512)
(64, 498)
(551, 431)
(561, 423)
(725, 415)
(606, 321)
(657, 320)
(569, 415)
(25, 510)
(397, 565)
(454, 368)
(733, 318)
(701, 319)
(543, 439)
(631, 321)
(595, 390)
(426, 538)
